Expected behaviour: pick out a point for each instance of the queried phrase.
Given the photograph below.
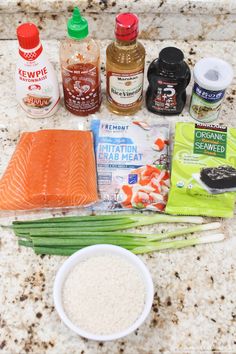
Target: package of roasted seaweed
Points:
(203, 175)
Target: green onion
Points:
(127, 221)
(57, 251)
(67, 251)
(159, 246)
(65, 235)
(74, 219)
(76, 234)
(73, 242)
(183, 231)
(25, 243)
(72, 226)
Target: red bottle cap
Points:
(126, 27)
(28, 35)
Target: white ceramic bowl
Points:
(95, 251)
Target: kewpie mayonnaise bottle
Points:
(37, 89)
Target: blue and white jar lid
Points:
(213, 74)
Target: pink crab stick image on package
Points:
(160, 144)
(150, 192)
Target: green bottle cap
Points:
(77, 26)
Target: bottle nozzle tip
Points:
(76, 14)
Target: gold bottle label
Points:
(125, 89)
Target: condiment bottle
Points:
(37, 87)
(168, 78)
(212, 76)
(80, 67)
(124, 67)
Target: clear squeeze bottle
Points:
(37, 88)
(80, 67)
(124, 67)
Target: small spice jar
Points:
(212, 76)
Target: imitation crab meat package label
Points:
(132, 164)
(203, 175)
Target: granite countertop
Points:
(140, 6)
(159, 19)
(194, 309)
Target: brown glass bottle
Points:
(124, 67)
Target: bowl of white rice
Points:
(103, 292)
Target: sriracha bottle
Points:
(80, 68)
(168, 78)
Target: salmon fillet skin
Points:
(50, 168)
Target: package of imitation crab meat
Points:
(132, 164)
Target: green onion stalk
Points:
(65, 235)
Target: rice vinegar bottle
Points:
(125, 59)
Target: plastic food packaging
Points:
(212, 76)
(203, 175)
(132, 164)
(50, 169)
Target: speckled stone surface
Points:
(159, 19)
(194, 309)
(160, 6)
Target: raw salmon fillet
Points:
(50, 168)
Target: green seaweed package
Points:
(203, 178)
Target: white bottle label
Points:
(37, 88)
(125, 90)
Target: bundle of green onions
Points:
(65, 235)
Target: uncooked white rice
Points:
(104, 294)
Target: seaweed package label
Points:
(132, 164)
(203, 180)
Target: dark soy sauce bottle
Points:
(168, 78)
